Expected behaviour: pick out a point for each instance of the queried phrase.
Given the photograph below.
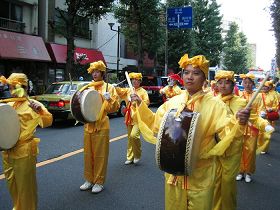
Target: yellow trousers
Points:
(133, 143)
(96, 153)
(181, 199)
(264, 142)
(20, 175)
(225, 188)
(248, 157)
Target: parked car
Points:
(57, 98)
(153, 85)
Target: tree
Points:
(71, 22)
(236, 50)
(140, 22)
(208, 30)
(275, 14)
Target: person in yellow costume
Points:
(172, 89)
(19, 162)
(248, 157)
(194, 192)
(269, 103)
(134, 151)
(225, 188)
(96, 134)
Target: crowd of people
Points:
(230, 133)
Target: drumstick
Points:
(258, 90)
(129, 82)
(107, 80)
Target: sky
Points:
(256, 25)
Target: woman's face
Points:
(193, 79)
(97, 75)
(136, 83)
(248, 85)
(225, 87)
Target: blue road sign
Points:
(180, 17)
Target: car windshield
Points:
(59, 88)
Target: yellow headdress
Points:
(248, 75)
(268, 83)
(223, 74)
(17, 79)
(134, 75)
(198, 61)
(98, 65)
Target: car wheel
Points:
(121, 109)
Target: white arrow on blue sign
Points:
(180, 17)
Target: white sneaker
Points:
(248, 178)
(97, 188)
(127, 162)
(239, 177)
(86, 186)
(136, 160)
(263, 153)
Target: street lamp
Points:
(118, 48)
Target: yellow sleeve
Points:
(145, 97)
(122, 92)
(113, 104)
(46, 118)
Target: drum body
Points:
(9, 127)
(86, 105)
(177, 148)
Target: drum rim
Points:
(82, 108)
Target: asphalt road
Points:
(128, 187)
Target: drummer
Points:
(134, 151)
(195, 191)
(19, 162)
(96, 134)
(172, 89)
(228, 168)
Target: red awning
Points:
(22, 47)
(58, 53)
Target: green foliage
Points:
(205, 38)
(140, 21)
(71, 23)
(207, 30)
(236, 51)
(275, 14)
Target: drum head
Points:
(91, 103)
(9, 127)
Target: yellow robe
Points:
(248, 158)
(270, 100)
(171, 91)
(19, 163)
(133, 143)
(194, 192)
(96, 137)
(225, 188)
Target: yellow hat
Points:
(223, 74)
(248, 75)
(268, 83)
(96, 66)
(198, 61)
(134, 75)
(17, 79)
